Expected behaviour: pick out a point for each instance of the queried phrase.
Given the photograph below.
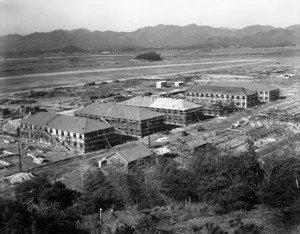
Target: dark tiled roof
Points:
(134, 152)
(118, 111)
(139, 101)
(250, 86)
(77, 124)
(41, 119)
(65, 122)
(221, 90)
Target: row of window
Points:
(63, 133)
(51, 130)
(78, 145)
(212, 95)
(213, 101)
(33, 127)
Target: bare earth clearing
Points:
(63, 78)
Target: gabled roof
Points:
(77, 124)
(118, 111)
(250, 86)
(41, 119)
(65, 123)
(196, 143)
(134, 152)
(206, 89)
(139, 101)
(160, 103)
(173, 104)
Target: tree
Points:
(150, 56)
(14, 217)
(126, 187)
(281, 186)
(50, 205)
(98, 192)
(177, 183)
(232, 182)
(40, 190)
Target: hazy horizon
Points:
(28, 16)
(142, 27)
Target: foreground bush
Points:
(281, 188)
(232, 182)
(41, 207)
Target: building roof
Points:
(118, 111)
(196, 143)
(134, 152)
(77, 124)
(139, 101)
(161, 103)
(65, 123)
(250, 86)
(222, 90)
(173, 104)
(40, 119)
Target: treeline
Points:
(225, 182)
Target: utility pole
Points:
(149, 141)
(29, 100)
(20, 161)
(81, 172)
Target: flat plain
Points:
(24, 74)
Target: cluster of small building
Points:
(164, 84)
(102, 125)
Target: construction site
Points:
(80, 135)
(288, 110)
(92, 120)
(175, 111)
(133, 121)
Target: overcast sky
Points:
(27, 16)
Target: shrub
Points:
(150, 56)
(231, 182)
(280, 188)
(41, 190)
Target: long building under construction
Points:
(130, 120)
(175, 111)
(285, 111)
(266, 92)
(210, 96)
(74, 133)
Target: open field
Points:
(67, 78)
(23, 74)
(197, 69)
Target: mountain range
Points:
(160, 36)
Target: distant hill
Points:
(160, 36)
(293, 27)
(252, 30)
(69, 49)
